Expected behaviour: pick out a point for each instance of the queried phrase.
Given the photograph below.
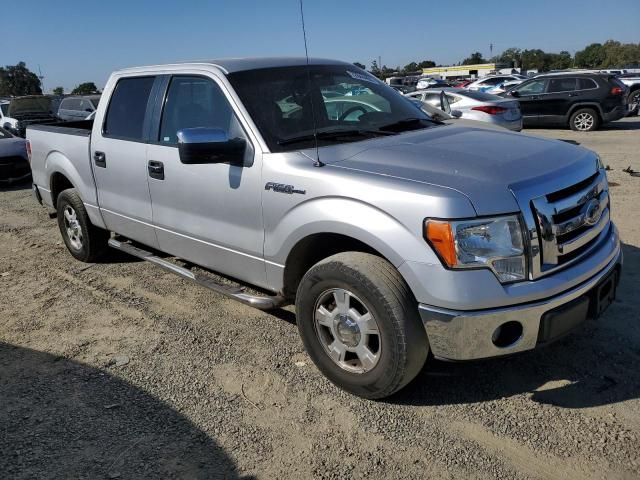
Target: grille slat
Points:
(570, 222)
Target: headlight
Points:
(494, 243)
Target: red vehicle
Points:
(461, 83)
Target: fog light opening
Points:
(507, 334)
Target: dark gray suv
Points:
(583, 101)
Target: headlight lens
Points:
(494, 243)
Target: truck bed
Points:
(81, 127)
(64, 149)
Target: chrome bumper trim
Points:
(466, 335)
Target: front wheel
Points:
(84, 241)
(584, 120)
(359, 323)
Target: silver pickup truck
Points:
(396, 236)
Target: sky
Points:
(74, 42)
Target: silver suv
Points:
(395, 236)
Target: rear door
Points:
(561, 94)
(211, 213)
(119, 156)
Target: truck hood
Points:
(485, 165)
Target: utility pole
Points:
(41, 77)
(491, 50)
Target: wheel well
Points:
(58, 183)
(310, 250)
(595, 107)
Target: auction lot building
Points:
(467, 71)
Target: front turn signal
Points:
(440, 237)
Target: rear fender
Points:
(57, 162)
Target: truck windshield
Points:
(345, 105)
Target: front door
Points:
(531, 99)
(119, 157)
(209, 214)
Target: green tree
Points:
(86, 88)
(426, 64)
(18, 80)
(359, 65)
(512, 57)
(58, 91)
(474, 58)
(410, 67)
(591, 57)
(558, 61)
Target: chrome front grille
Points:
(569, 223)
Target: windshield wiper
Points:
(334, 134)
(405, 124)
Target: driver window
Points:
(193, 102)
(533, 88)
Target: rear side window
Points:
(586, 84)
(561, 85)
(70, 104)
(127, 108)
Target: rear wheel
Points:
(634, 102)
(584, 120)
(83, 240)
(360, 325)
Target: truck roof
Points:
(231, 65)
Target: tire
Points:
(634, 97)
(584, 120)
(396, 340)
(83, 240)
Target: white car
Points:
(7, 122)
(487, 83)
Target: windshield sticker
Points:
(365, 77)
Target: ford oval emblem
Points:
(592, 212)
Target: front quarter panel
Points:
(383, 212)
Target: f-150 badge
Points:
(282, 188)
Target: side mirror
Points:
(456, 113)
(209, 145)
(514, 93)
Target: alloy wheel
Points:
(584, 121)
(72, 227)
(347, 330)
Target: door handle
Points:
(156, 169)
(100, 159)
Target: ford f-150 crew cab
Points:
(395, 236)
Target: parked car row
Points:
(582, 101)
(19, 112)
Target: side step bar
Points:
(262, 302)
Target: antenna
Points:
(317, 162)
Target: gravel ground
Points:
(120, 370)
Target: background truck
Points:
(396, 236)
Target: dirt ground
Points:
(120, 370)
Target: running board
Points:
(262, 302)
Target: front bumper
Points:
(468, 335)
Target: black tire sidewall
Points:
(384, 376)
(69, 197)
